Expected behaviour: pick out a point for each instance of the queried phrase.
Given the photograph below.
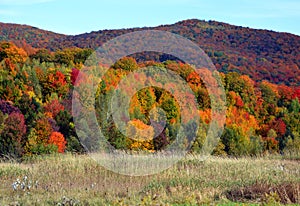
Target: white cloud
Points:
(22, 2)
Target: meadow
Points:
(79, 180)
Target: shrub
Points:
(284, 193)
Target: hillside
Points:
(37, 95)
(23, 34)
(261, 54)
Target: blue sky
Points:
(74, 17)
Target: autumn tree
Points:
(38, 138)
(43, 55)
(126, 63)
(54, 83)
(57, 139)
(12, 136)
(13, 53)
(52, 108)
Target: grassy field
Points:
(79, 180)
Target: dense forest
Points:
(260, 54)
(36, 87)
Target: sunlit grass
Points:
(80, 180)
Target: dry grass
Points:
(286, 193)
(79, 180)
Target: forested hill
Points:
(261, 54)
(24, 35)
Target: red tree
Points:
(58, 139)
(53, 108)
(12, 137)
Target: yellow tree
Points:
(10, 51)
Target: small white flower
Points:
(15, 186)
(23, 186)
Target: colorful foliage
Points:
(53, 108)
(12, 136)
(58, 140)
(35, 104)
(11, 52)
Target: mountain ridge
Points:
(261, 54)
(144, 27)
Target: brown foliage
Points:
(286, 193)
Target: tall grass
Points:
(79, 180)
